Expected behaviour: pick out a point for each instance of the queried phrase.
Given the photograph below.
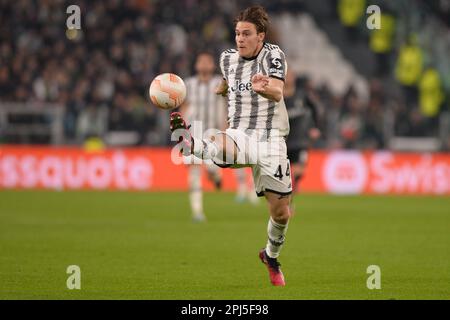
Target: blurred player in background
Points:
(202, 104)
(303, 109)
(245, 187)
(253, 81)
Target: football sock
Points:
(253, 197)
(214, 174)
(276, 232)
(195, 194)
(241, 181)
(196, 199)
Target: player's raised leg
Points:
(221, 148)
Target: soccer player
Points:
(204, 106)
(253, 81)
(302, 106)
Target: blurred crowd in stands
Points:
(101, 73)
(412, 61)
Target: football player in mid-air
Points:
(253, 81)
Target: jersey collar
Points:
(254, 57)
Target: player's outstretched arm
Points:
(269, 87)
(222, 89)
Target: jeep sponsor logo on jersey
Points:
(240, 86)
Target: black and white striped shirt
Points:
(248, 110)
(204, 104)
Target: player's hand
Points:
(259, 83)
(314, 133)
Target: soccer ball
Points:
(167, 91)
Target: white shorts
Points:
(267, 158)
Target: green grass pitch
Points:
(144, 246)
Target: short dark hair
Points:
(256, 15)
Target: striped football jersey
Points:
(248, 110)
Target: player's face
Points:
(205, 64)
(248, 40)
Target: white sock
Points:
(195, 194)
(276, 233)
(204, 149)
(196, 199)
(253, 197)
(241, 182)
(214, 173)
